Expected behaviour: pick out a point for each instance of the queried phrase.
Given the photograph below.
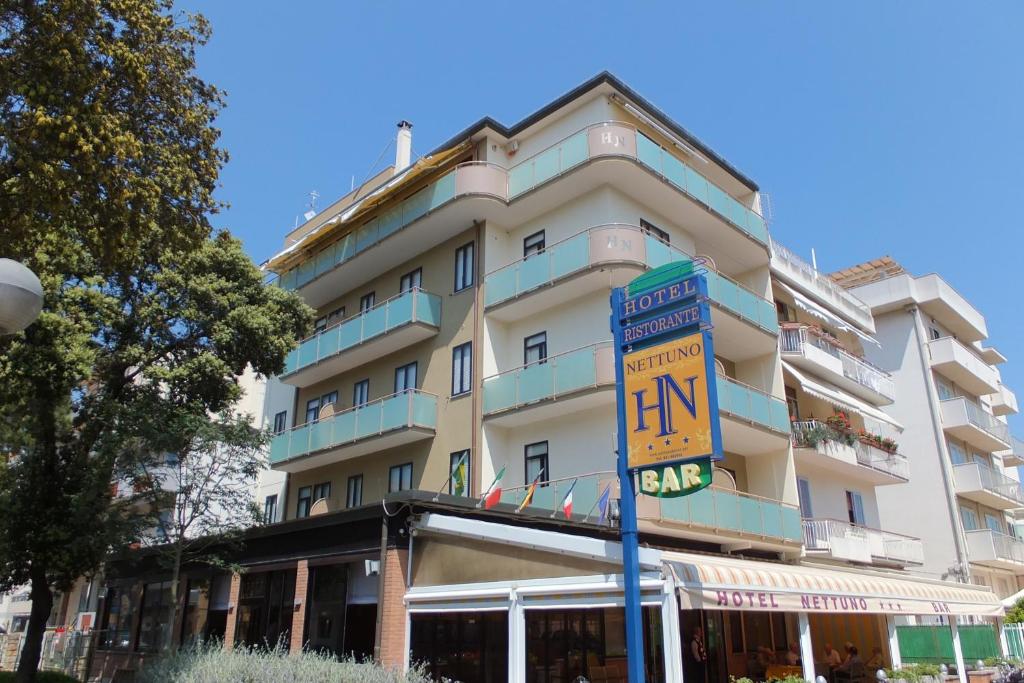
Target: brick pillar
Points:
(391, 644)
(229, 629)
(298, 638)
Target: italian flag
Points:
(567, 501)
(492, 495)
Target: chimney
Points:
(403, 146)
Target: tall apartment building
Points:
(964, 487)
(463, 318)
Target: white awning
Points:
(727, 583)
(839, 397)
(818, 312)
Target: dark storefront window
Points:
(562, 645)
(471, 647)
(265, 604)
(116, 624)
(325, 617)
(157, 616)
(205, 614)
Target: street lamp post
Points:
(21, 296)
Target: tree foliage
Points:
(108, 164)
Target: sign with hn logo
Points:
(668, 412)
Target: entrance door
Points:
(325, 615)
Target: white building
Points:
(964, 486)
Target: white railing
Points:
(868, 455)
(1003, 546)
(990, 480)
(977, 416)
(828, 290)
(794, 339)
(831, 535)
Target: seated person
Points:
(852, 668)
(793, 654)
(877, 660)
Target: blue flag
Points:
(602, 504)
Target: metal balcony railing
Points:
(828, 535)
(794, 340)
(803, 272)
(977, 416)
(868, 455)
(989, 479)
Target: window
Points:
(320, 324)
(969, 518)
(118, 614)
(803, 490)
(453, 461)
(792, 404)
(280, 421)
(361, 393)
(652, 229)
(156, 617)
(354, 493)
(366, 301)
(321, 490)
(784, 313)
(945, 391)
(993, 523)
(934, 332)
(462, 369)
(312, 409)
(536, 456)
(405, 378)
(534, 244)
(855, 508)
(410, 281)
(400, 478)
(535, 348)
(304, 502)
(956, 453)
(464, 267)
(270, 509)
(335, 316)
(315, 405)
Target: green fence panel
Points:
(979, 642)
(934, 644)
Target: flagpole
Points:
(596, 503)
(480, 503)
(554, 513)
(451, 474)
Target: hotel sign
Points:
(673, 481)
(668, 412)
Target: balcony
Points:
(840, 540)
(818, 445)
(993, 549)
(558, 385)
(1015, 456)
(959, 364)
(606, 256)
(966, 420)
(935, 298)
(982, 484)
(709, 515)
(1004, 402)
(394, 324)
(600, 154)
(808, 348)
(753, 422)
(389, 422)
(798, 272)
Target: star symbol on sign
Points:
(650, 446)
(686, 440)
(668, 442)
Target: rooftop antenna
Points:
(814, 260)
(313, 196)
(352, 185)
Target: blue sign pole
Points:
(627, 514)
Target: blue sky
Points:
(875, 127)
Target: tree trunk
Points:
(42, 604)
(175, 601)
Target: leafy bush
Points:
(913, 672)
(41, 677)
(210, 663)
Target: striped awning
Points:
(712, 582)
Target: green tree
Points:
(1015, 615)
(108, 164)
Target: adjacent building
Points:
(964, 490)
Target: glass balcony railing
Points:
(713, 509)
(607, 139)
(399, 411)
(734, 511)
(618, 243)
(988, 545)
(826, 440)
(584, 368)
(414, 306)
(752, 404)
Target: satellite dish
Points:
(723, 479)
(309, 214)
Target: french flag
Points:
(567, 501)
